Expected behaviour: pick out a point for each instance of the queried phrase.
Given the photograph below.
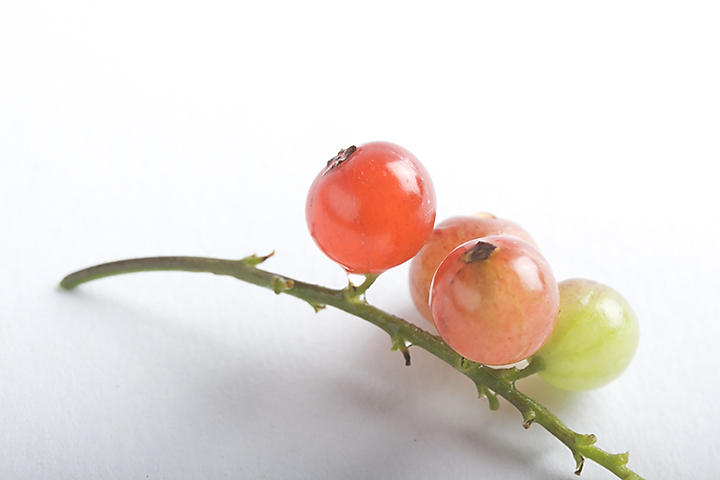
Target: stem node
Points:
(280, 285)
(588, 440)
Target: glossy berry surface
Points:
(371, 208)
(594, 340)
(446, 236)
(494, 300)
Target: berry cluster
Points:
(479, 279)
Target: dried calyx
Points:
(481, 251)
(341, 157)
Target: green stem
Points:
(362, 288)
(402, 333)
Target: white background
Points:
(142, 128)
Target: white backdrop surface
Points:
(195, 128)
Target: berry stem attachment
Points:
(357, 291)
(489, 381)
(514, 374)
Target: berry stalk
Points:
(490, 382)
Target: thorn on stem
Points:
(406, 354)
(493, 401)
(254, 260)
(528, 418)
(317, 306)
(580, 462)
(621, 459)
(399, 343)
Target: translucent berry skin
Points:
(446, 236)
(594, 340)
(372, 208)
(494, 300)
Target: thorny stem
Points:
(490, 382)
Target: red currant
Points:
(494, 300)
(445, 237)
(371, 208)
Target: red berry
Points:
(494, 300)
(445, 237)
(371, 208)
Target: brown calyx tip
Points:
(342, 155)
(481, 251)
